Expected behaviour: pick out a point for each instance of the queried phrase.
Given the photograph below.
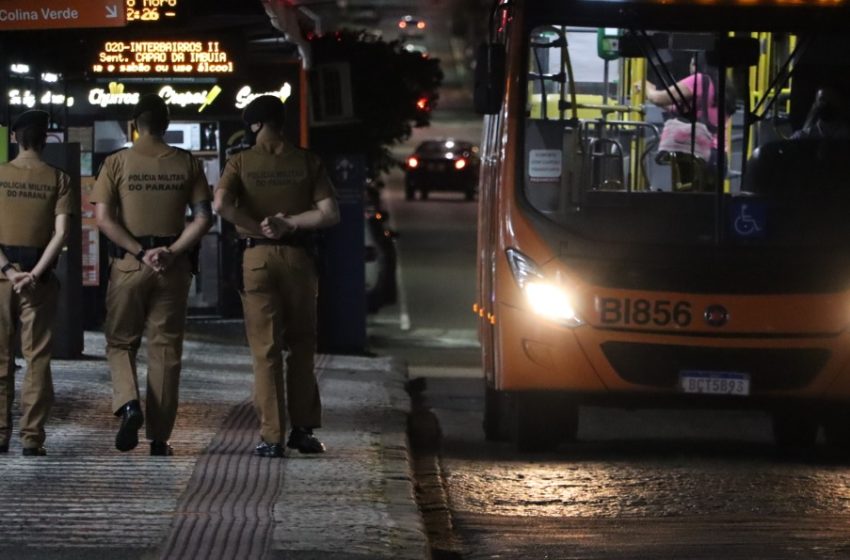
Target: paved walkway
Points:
(213, 499)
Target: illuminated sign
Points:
(163, 57)
(116, 95)
(26, 98)
(244, 96)
(150, 10)
(54, 14)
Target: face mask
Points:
(250, 137)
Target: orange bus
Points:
(620, 266)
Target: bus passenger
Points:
(706, 95)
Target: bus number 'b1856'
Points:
(641, 312)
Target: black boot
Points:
(161, 449)
(304, 441)
(127, 437)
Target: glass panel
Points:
(617, 147)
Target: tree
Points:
(392, 91)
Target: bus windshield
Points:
(641, 137)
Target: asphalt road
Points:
(638, 484)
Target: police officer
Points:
(36, 202)
(274, 193)
(141, 195)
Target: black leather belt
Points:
(27, 257)
(291, 241)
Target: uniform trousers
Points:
(141, 301)
(279, 303)
(35, 308)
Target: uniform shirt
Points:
(32, 194)
(275, 177)
(150, 185)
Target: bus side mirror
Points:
(489, 78)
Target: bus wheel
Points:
(497, 409)
(543, 421)
(795, 429)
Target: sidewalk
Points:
(213, 499)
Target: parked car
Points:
(380, 253)
(442, 165)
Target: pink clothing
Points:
(698, 94)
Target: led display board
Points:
(172, 58)
(150, 11)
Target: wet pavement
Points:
(213, 498)
(647, 484)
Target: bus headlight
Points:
(545, 298)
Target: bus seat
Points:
(789, 167)
(689, 173)
(604, 160)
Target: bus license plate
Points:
(715, 383)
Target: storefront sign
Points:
(53, 14)
(245, 95)
(28, 99)
(116, 95)
(163, 57)
(151, 10)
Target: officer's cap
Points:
(31, 118)
(151, 102)
(264, 108)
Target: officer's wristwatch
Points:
(6, 268)
(140, 256)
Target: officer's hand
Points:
(20, 280)
(164, 257)
(275, 227)
(152, 259)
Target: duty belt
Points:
(290, 240)
(27, 257)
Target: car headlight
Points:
(546, 298)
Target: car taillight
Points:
(402, 24)
(412, 162)
(460, 164)
(420, 25)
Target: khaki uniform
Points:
(32, 194)
(151, 185)
(280, 283)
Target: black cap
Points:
(264, 108)
(31, 118)
(151, 102)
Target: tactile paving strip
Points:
(226, 510)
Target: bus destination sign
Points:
(171, 58)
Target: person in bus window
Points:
(703, 83)
(827, 118)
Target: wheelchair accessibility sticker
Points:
(748, 219)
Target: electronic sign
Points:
(172, 58)
(150, 11)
